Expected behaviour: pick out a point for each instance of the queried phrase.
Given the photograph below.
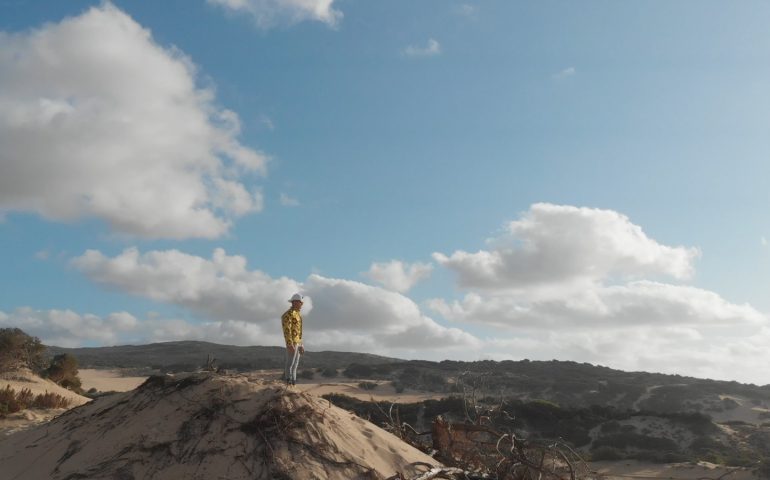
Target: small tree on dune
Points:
(64, 371)
(19, 350)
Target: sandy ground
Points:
(744, 412)
(630, 469)
(114, 381)
(320, 386)
(108, 380)
(21, 379)
(209, 426)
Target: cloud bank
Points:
(559, 282)
(98, 120)
(586, 284)
(342, 314)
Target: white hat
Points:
(296, 298)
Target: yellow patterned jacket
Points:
(292, 327)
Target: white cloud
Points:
(222, 289)
(397, 275)
(556, 248)
(270, 13)
(567, 72)
(763, 241)
(713, 352)
(432, 48)
(42, 254)
(288, 201)
(65, 328)
(581, 284)
(640, 303)
(393, 321)
(98, 120)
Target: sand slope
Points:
(24, 378)
(208, 426)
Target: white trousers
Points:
(291, 364)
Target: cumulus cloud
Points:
(553, 248)
(66, 328)
(271, 13)
(716, 352)
(223, 289)
(430, 49)
(220, 288)
(397, 275)
(637, 303)
(585, 284)
(98, 120)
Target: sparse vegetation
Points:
(367, 385)
(12, 401)
(307, 374)
(19, 350)
(63, 370)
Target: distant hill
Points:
(566, 383)
(189, 355)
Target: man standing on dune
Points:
(291, 321)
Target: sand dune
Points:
(208, 426)
(24, 378)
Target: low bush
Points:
(367, 385)
(329, 372)
(307, 374)
(12, 401)
(50, 400)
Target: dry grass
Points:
(12, 401)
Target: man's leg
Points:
(286, 365)
(294, 365)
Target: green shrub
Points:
(17, 350)
(329, 372)
(398, 386)
(367, 385)
(64, 371)
(307, 374)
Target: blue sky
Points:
(573, 180)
